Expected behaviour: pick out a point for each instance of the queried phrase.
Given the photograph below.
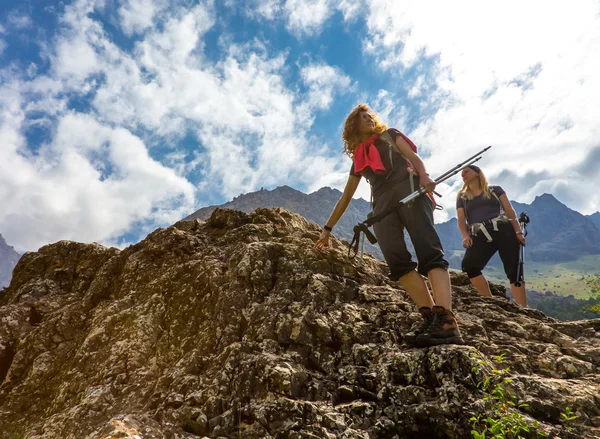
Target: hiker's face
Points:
(468, 174)
(365, 122)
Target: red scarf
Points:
(367, 156)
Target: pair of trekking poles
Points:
(364, 226)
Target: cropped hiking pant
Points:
(418, 222)
(504, 241)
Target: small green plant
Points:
(568, 415)
(593, 284)
(503, 420)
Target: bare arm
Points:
(344, 201)
(462, 222)
(338, 210)
(463, 228)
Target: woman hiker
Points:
(381, 155)
(488, 224)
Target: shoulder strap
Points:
(387, 138)
(493, 192)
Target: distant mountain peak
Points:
(546, 197)
(548, 200)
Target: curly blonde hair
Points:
(352, 135)
(466, 193)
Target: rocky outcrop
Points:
(8, 259)
(238, 328)
(315, 207)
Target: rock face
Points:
(8, 259)
(238, 328)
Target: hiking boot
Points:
(410, 337)
(443, 330)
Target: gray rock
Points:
(238, 327)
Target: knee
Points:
(513, 277)
(439, 262)
(472, 272)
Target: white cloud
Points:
(350, 8)
(3, 46)
(323, 81)
(303, 17)
(502, 78)
(94, 179)
(18, 20)
(90, 183)
(307, 16)
(268, 9)
(138, 15)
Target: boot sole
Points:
(439, 341)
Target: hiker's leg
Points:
(439, 278)
(443, 328)
(476, 258)
(509, 249)
(415, 286)
(519, 294)
(390, 235)
(481, 285)
(418, 220)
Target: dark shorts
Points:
(504, 241)
(418, 222)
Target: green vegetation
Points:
(503, 419)
(561, 278)
(593, 284)
(565, 308)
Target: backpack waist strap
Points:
(482, 227)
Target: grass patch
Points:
(561, 278)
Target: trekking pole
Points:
(445, 176)
(364, 226)
(455, 170)
(523, 221)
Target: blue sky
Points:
(117, 117)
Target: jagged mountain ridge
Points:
(8, 259)
(315, 207)
(556, 233)
(595, 218)
(238, 327)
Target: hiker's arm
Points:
(462, 222)
(344, 201)
(510, 213)
(417, 163)
(338, 211)
(462, 227)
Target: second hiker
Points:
(488, 224)
(381, 156)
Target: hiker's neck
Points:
(475, 186)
